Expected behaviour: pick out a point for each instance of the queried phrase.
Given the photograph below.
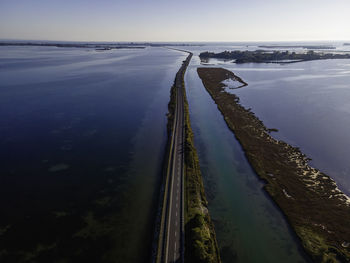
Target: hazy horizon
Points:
(180, 21)
(184, 41)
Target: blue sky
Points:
(179, 20)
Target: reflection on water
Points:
(310, 108)
(249, 227)
(82, 136)
(308, 103)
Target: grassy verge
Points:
(200, 238)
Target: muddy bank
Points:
(317, 210)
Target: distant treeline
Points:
(299, 46)
(261, 56)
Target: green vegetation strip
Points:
(200, 238)
(170, 145)
(317, 210)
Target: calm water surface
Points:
(309, 103)
(249, 227)
(82, 137)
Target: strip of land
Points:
(313, 204)
(186, 232)
(171, 234)
(262, 56)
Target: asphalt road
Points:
(173, 244)
(175, 231)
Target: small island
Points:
(313, 204)
(262, 56)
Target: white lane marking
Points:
(175, 233)
(176, 205)
(176, 213)
(175, 253)
(176, 223)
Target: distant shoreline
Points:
(97, 46)
(72, 45)
(262, 56)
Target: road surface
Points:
(172, 238)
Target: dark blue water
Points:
(82, 137)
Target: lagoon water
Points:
(308, 103)
(82, 138)
(249, 227)
(83, 133)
